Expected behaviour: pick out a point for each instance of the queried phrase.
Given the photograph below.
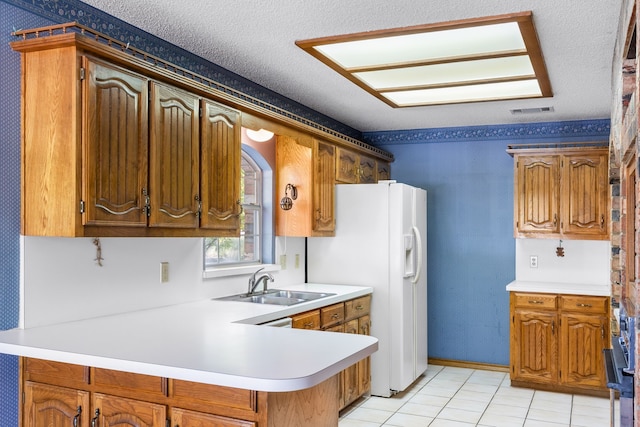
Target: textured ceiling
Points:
(255, 39)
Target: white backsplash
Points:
(584, 261)
(61, 281)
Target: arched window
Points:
(246, 249)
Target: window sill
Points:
(212, 273)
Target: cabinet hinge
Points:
(168, 424)
(23, 397)
(82, 73)
(200, 112)
(81, 206)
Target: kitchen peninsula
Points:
(208, 359)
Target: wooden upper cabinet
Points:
(324, 166)
(354, 168)
(585, 189)
(174, 162)
(538, 194)
(112, 147)
(562, 193)
(115, 145)
(220, 169)
(310, 167)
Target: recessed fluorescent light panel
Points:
(483, 59)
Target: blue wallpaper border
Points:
(570, 130)
(62, 11)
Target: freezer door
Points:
(407, 285)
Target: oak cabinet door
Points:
(114, 411)
(174, 165)
(350, 375)
(115, 140)
(220, 169)
(184, 418)
(534, 346)
(538, 194)
(384, 171)
(585, 195)
(581, 353)
(367, 170)
(324, 187)
(46, 406)
(364, 366)
(346, 166)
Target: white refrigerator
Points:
(380, 241)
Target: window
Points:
(246, 249)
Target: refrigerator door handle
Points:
(418, 245)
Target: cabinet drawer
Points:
(331, 315)
(584, 304)
(189, 393)
(307, 320)
(357, 307)
(526, 300)
(138, 383)
(46, 371)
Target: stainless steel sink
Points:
(277, 297)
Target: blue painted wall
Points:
(10, 18)
(466, 171)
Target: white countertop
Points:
(602, 289)
(213, 342)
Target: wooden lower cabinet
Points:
(48, 405)
(62, 395)
(557, 342)
(111, 411)
(351, 317)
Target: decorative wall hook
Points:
(286, 202)
(560, 250)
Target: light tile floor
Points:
(460, 397)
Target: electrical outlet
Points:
(283, 261)
(164, 272)
(297, 260)
(533, 261)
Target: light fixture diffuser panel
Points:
(452, 62)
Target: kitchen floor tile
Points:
(372, 415)
(421, 410)
(452, 414)
(467, 405)
(549, 416)
(408, 420)
(460, 397)
(449, 423)
(507, 410)
(383, 403)
(500, 420)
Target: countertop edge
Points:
(594, 289)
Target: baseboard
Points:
(469, 365)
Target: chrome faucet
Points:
(254, 282)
